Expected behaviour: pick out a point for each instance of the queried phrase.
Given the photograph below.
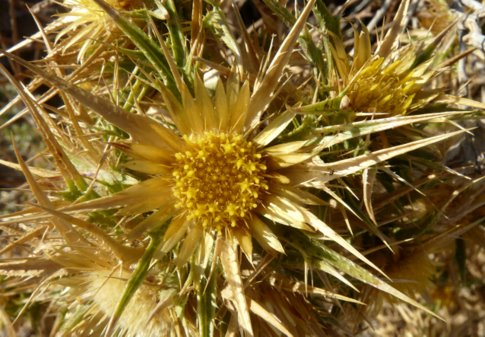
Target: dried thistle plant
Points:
(210, 180)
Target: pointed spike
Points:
(385, 46)
(147, 45)
(352, 165)
(234, 291)
(65, 228)
(68, 170)
(126, 254)
(264, 90)
(140, 127)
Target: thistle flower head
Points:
(103, 287)
(214, 173)
(92, 281)
(89, 6)
(85, 25)
(435, 16)
(391, 79)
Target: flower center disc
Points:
(219, 179)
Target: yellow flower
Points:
(213, 172)
(388, 80)
(218, 179)
(85, 25)
(91, 283)
(381, 87)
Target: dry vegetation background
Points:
(463, 307)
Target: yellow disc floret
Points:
(219, 179)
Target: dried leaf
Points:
(274, 128)
(234, 291)
(260, 311)
(266, 238)
(399, 21)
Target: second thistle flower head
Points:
(387, 80)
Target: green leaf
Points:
(353, 165)
(426, 54)
(137, 277)
(281, 12)
(215, 21)
(363, 128)
(347, 266)
(147, 45)
(332, 23)
(206, 305)
(176, 35)
(320, 256)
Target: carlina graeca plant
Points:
(208, 176)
